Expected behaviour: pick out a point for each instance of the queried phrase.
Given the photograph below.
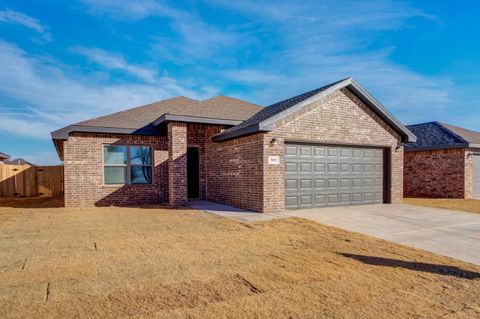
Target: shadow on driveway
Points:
(416, 266)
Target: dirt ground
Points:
(464, 205)
(160, 263)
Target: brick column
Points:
(177, 164)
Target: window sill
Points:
(125, 185)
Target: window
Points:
(127, 164)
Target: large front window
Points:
(125, 164)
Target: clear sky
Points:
(66, 61)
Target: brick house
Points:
(443, 163)
(332, 146)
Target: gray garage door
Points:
(476, 175)
(322, 176)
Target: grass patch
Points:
(464, 205)
(161, 263)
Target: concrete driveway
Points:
(449, 233)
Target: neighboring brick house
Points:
(3, 157)
(332, 146)
(443, 163)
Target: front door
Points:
(193, 178)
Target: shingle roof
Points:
(18, 161)
(470, 136)
(269, 111)
(4, 156)
(264, 120)
(139, 120)
(220, 107)
(436, 135)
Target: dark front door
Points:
(193, 178)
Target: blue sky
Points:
(65, 61)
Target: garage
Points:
(476, 175)
(329, 175)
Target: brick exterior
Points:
(84, 172)
(235, 172)
(338, 119)
(469, 173)
(438, 174)
(177, 164)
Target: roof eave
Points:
(249, 130)
(384, 113)
(473, 145)
(194, 119)
(268, 124)
(439, 147)
(62, 134)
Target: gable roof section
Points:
(4, 156)
(265, 119)
(436, 136)
(18, 161)
(143, 119)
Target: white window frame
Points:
(127, 165)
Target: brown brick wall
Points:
(438, 173)
(177, 164)
(84, 172)
(338, 119)
(234, 171)
(469, 173)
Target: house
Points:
(332, 146)
(3, 157)
(444, 162)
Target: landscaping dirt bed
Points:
(161, 263)
(464, 205)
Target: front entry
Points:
(193, 176)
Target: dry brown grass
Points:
(464, 205)
(159, 263)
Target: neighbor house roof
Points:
(436, 135)
(4, 156)
(18, 161)
(264, 120)
(143, 119)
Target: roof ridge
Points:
(440, 124)
(135, 108)
(419, 124)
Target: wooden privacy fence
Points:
(31, 181)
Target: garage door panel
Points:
(332, 152)
(291, 168)
(320, 176)
(319, 152)
(320, 200)
(320, 183)
(306, 168)
(305, 151)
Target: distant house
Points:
(3, 157)
(444, 162)
(17, 161)
(332, 146)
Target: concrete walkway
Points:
(449, 233)
(227, 211)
